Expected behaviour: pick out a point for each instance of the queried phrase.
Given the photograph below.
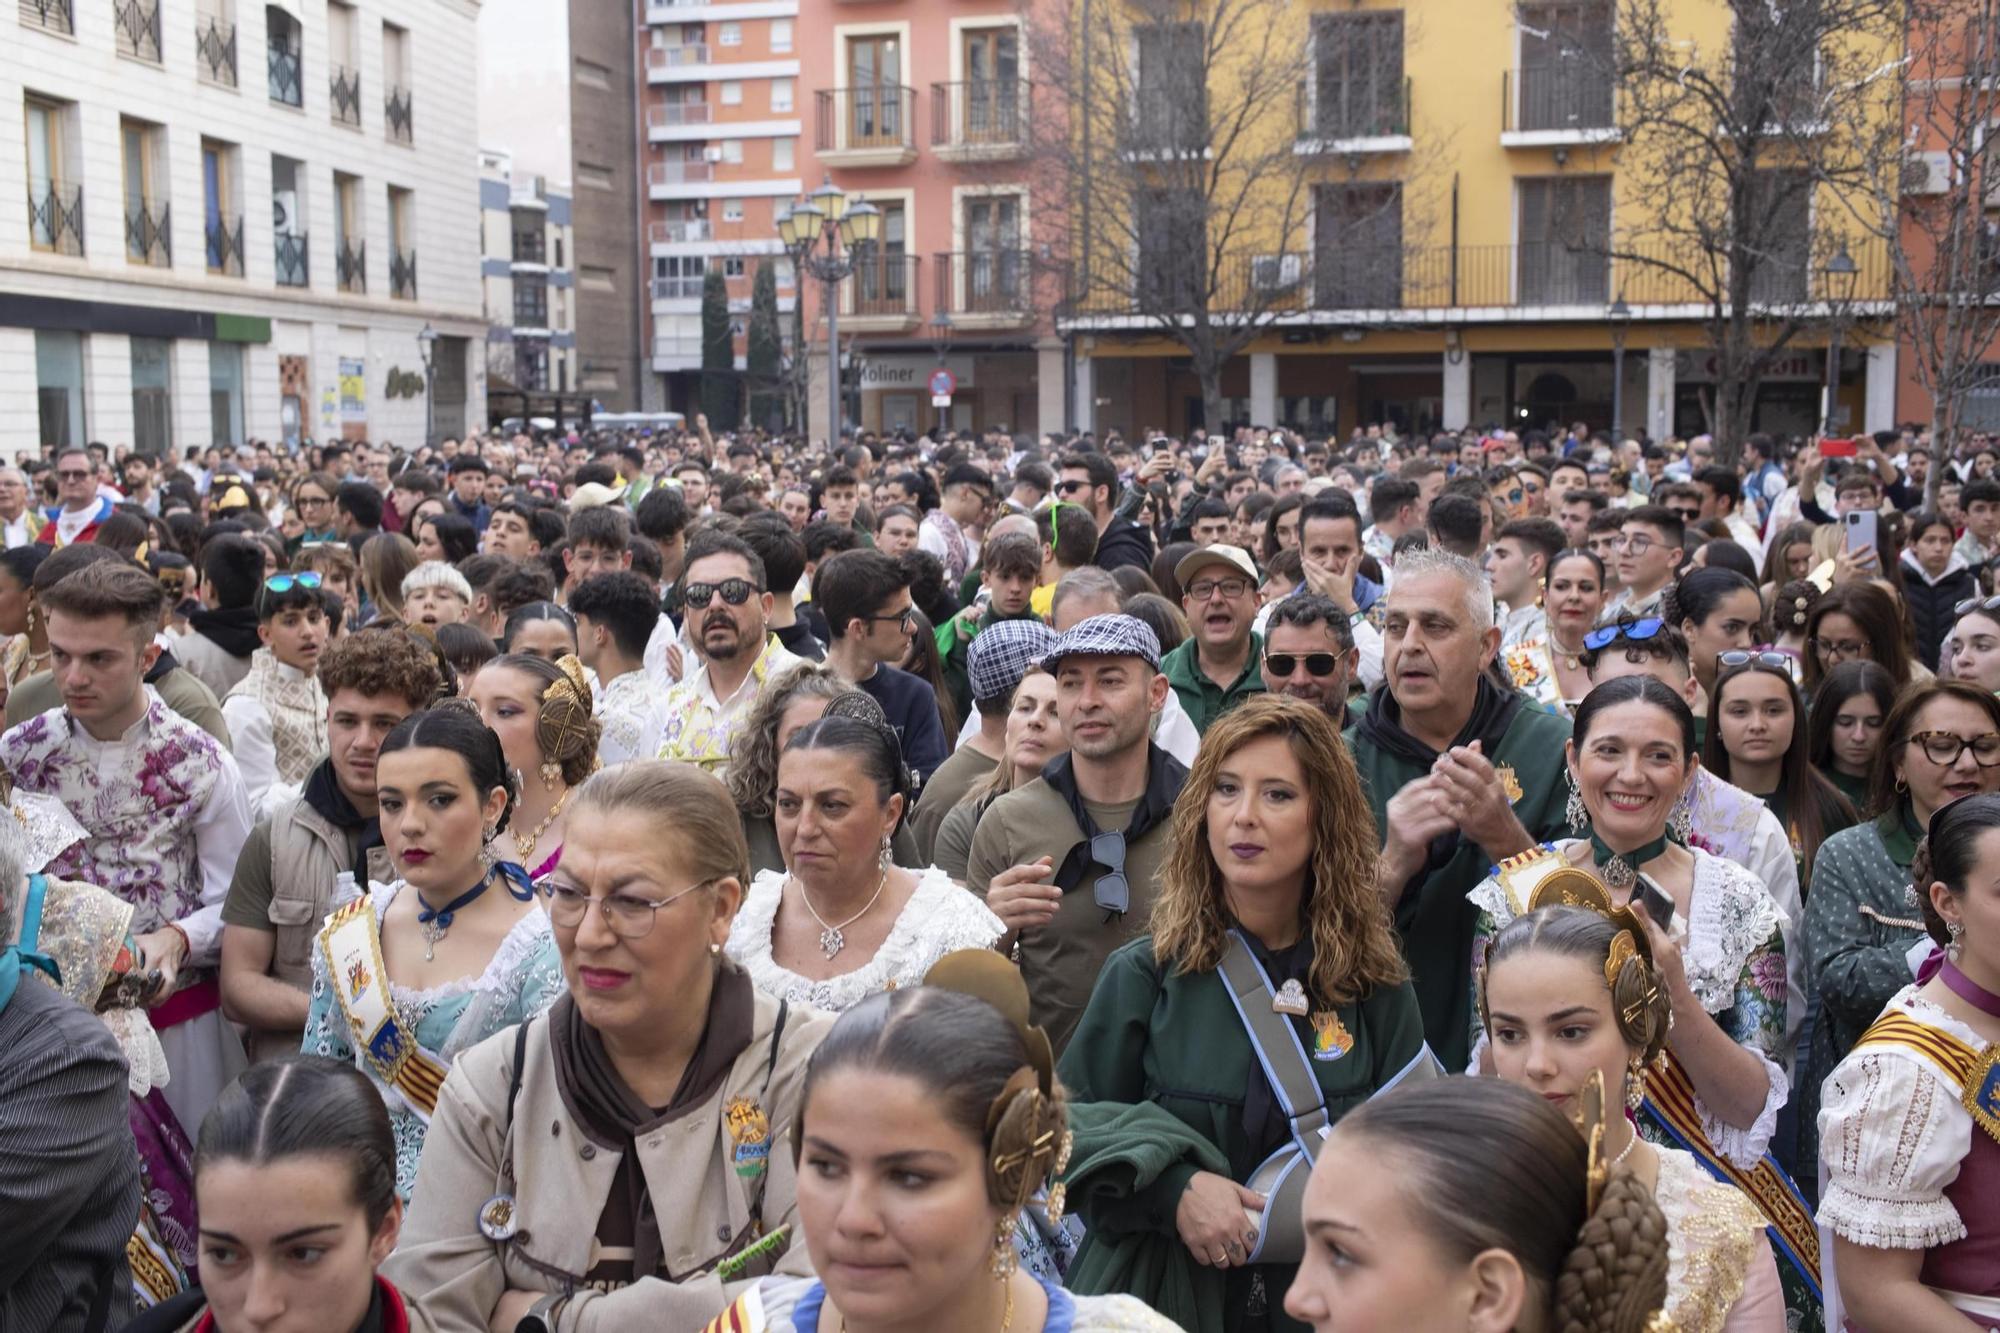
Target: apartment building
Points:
(928, 112)
(238, 219)
(528, 253)
(721, 116)
(1462, 254)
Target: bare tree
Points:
(1947, 248)
(1752, 172)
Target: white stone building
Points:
(238, 217)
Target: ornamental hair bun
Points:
(1615, 1278)
(565, 729)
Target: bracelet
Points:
(187, 945)
(1355, 620)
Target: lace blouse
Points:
(1721, 1274)
(523, 979)
(793, 1305)
(939, 918)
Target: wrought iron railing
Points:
(398, 115)
(286, 76)
(1333, 112)
(149, 233)
(1570, 96)
(292, 254)
(871, 117)
(225, 247)
(882, 285)
(55, 219)
(403, 274)
(55, 15)
(980, 113)
(345, 87)
(350, 266)
(984, 282)
(137, 23)
(215, 50)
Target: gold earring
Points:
(551, 773)
(1635, 1084)
(1005, 1260)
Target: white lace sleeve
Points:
(1746, 1147)
(1491, 899)
(1891, 1137)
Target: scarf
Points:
(1493, 711)
(322, 792)
(1897, 828)
(1164, 779)
(615, 1116)
(234, 630)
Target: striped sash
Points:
(352, 948)
(1670, 1103)
(1975, 1070)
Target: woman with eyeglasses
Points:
(1856, 621)
(842, 921)
(613, 1164)
(1718, 610)
(1936, 579)
(541, 710)
(1573, 595)
(312, 508)
(412, 973)
(1197, 1108)
(1972, 648)
(1941, 742)
(1845, 732)
(1757, 739)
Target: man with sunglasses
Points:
(727, 614)
(1069, 862)
(1090, 480)
(79, 510)
(1309, 654)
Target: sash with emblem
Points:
(351, 945)
(1975, 1070)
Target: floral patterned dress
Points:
(522, 980)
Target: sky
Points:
(524, 86)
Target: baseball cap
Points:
(1112, 635)
(592, 494)
(1235, 557)
(997, 659)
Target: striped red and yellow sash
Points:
(1975, 1069)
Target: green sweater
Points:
(1160, 1037)
(1201, 697)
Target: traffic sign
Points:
(943, 382)
(940, 400)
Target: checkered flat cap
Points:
(1106, 636)
(1002, 654)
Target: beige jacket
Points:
(453, 1277)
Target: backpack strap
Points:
(1276, 1044)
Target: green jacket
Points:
(954, 639)
(1203, 699)
(1433, 917)
(1158, 1037)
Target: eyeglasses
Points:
(286, 582)
(1943, 748)
(1840, 649)
(1638, 543)
(71, 474)
(1637, 631)
(734, 591)
(1112, 892)
(305, 501)
(1972, 604)
(1070, 487)
(625, 915)
(907, 618)
(1207, 588)
(1737, 657)
(1688, 515)
(1317, 664)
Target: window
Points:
(1358, 75)
(285, 41)
(59, 387)
(222, 210)
(54, 15)
(1358, 250)
(1173, 250)
(55, 199)
(350, 249)
(396, 101)
(781, 94)
(344, 76)
(1566, 65)
(874, 92)
(152, 396)
(531, 302)
(732, 92)
(1172, 110)
(1780, 236)
(225, 392)
(990, 101)
(732, 266)
(1565, 230)
(732, 210)
(883, 282)
(402, 244)
(731, 35)
(215, 41)
(782, 151)
(781, 35)
(137, 23)
(288, 230)
(143, 148)
(993, 262)
(732, 150)
(678, 277)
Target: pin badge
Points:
(497, 1218)
(1291, 999)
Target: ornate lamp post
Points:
(829, 239)
(427, 346)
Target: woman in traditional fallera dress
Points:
(541, 711)
(1910, 1125)
(412, 973)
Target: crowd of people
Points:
(1239, 883)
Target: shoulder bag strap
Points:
(1277, 1045)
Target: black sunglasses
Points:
(1112, 892)
(1317, 664)
(734, 591)
(1637, 630)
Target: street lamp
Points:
(427, 346)
(848, 233)
(940, 340)
(1620, 315)
(1841, 271)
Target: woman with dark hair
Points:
(1845, 727)
(312, 504)
(447, 537)
(950, 1074)
(1941, 742)
(1856, 621)
(1791, 612)
(386, 559)
(1281, 527)
(1573, 595)
(1473, 1204)
(846, 921)
(539, 629)
(920, 659)
(1163, 567)
(1720, 949)
(27, 649)
(1717, 610)
(614, 1164)
(1757, 740)
(125, 533)
(404, 981)
(1268, 941)
(1936, 578)
(1913, 1155)
(1163, 617)
(541, 711)
(1572, 993)
(295, 1180)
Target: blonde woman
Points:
(1034, 736)
(386, 560)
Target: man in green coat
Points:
(1217, 666)
(1460, 774)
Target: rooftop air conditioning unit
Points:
(1927, 173)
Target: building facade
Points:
(528, 251)
(238, 218)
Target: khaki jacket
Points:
(453, 1277)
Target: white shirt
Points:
(16, 531)
(252, 744)
(630, 716)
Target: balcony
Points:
(225, 247)
(291, 253)
(350, 266)
(880, 296)
(678, 115)
(397, 122)
(1166, 124)
(345, 96)
(55, 219)
(137, 25)
(668, 180)
(985, 288)
(679, 233)
(149, 233)
(675, 57)
(286, 76)
(1556, 106)
(867, 127)
(1340, 121)
(531, 307)
(402, 274)
(982, 120)
(531, 248)
(49, 15)
(678, 289)
(215, 50)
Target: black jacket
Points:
(1125, 543)
(1930, 605)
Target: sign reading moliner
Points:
(912, 372)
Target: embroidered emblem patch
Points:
(750, 1130)
(1508, 782)
(1331, 1039)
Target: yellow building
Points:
(1457, 224)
